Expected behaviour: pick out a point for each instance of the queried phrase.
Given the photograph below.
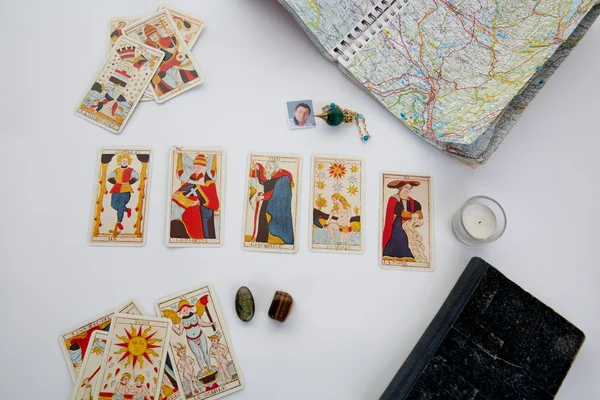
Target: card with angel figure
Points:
(196, 190)
(337, 197)
(87, 381)
(74, 341)
(200, 348)
(119, 211)
(178, 72)
(134, 358)
(271, 203)
(406, 217)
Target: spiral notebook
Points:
(457, 73)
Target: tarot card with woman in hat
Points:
(406, 222)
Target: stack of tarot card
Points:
(149, 59)
(185, 354)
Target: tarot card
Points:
(74, 341)
(134, 358)
(178, 72)
(337, 197)
(115, 28)
(122, 184)
(406, 215)
(200, 347)
(188, 26)
(87, 380)
(273, 203)
(120, 84)
(131, 307)
(196, 190)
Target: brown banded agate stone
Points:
(244, 304)
(281, 306)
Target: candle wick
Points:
(479, 221)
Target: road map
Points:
(457, 72)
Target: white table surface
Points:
(353, 323)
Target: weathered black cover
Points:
(490, 340)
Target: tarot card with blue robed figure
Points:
(406, 219)
(195, 197)
(200, 347)
(337, 209)
(122, 184)
(272, 203)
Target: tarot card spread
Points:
(74, 341)
(134, 359)
(119, 86)
(337, 204)
(199, 346)
(178, 71)
(406, 240)
(272, 206)
(122, 186)
(86, 383)
(196, 184)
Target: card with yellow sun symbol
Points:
(337, 200)
(135, 354)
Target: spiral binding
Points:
(368, 27)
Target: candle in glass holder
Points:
(480, 220)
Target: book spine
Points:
(366, 28)
(406, 377)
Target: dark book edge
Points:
(404, 380)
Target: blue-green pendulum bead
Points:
(335, 116)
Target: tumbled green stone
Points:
(335, 117)
(244, 304)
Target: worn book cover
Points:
(490, 340)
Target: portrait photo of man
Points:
(300, 114)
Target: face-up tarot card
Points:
(87, 381)
(134, 358)
(115, 28)
(178, 72)
(120, 84)
(74, 341)
(406, 233)
(200, 348)
(271, 203)
(196, 190)
(337, 212)
(122, 184)
(188, 26)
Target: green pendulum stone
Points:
(244, 304)
(335, 116)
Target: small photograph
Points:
(301, 114)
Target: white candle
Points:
(479, 220)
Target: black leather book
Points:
(490, 340)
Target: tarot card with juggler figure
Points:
(122, 184)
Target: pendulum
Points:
(334, 115)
